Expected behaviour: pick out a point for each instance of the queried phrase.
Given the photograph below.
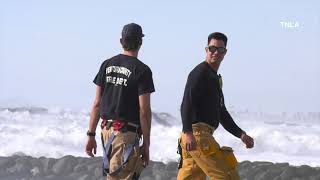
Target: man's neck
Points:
(130, 53)
(214, 66)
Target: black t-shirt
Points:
(123, 79)
(203, 101)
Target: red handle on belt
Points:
(116, 124)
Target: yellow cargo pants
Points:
(209, 159)
(133, 168)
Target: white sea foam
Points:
(279, 137)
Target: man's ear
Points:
(121, 40)
(226, 52)
(206, 49)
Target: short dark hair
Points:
(131, 44)
(218, 36)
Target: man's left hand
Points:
(247, 140)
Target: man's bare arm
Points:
(94, 119)
(94, 115)
(145, 121)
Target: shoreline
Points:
(86, 168)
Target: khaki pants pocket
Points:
(208, 146)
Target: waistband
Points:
(119, 125)
(202, 128)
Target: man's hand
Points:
(145, 122)
(247, 140)
(91, 145)
(191, 143)
(94, 119)
(145, 154)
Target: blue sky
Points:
(50, 51)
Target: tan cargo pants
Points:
(133, 168)
(208, 159)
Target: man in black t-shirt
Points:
(202, 110)
(124, 85)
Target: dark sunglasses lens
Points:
(221, 50)
(212, 49)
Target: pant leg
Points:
(213, 160)
(208, 158)
(133, 168)
(216, 169)
(190, 171)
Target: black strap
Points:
(128, 149)
(179, 151)
(106, 153)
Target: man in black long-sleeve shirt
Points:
(202, 110)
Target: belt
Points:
(202, 128)
(126, 126)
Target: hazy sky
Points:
(50, 51)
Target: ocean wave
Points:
(55, 132)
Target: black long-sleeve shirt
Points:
(203, 101)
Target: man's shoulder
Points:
(113, 59)
(110, 60)
(199, 71)
(141, 66)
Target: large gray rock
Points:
(77, 168)
(288, 173)
(47, 164)
(64, 165)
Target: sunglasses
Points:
(213, 49)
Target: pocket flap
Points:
(226, 148)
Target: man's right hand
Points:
(91, 146)
(191, 143)
(145, 154)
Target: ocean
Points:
(56, 132)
